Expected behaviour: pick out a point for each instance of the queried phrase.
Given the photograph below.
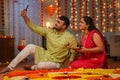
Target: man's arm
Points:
(24, 15)
(32, 26)
(73, 43)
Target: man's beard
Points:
(57, 29)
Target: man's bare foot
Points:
(6, 69)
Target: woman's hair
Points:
(88, 20)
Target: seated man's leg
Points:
(29, 49)
(46, 65)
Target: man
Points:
(58, 39)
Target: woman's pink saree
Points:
(91, 60)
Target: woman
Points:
(93, 48)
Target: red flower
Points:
(20, 47)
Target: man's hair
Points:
(65, 19)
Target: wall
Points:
(105, 17)
(0, 19)
(14, 24)
(1, 26)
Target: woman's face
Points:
(83, 25)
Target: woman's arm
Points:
(99, 45)
(98, 42)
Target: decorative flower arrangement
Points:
(43, 71)
(20, 47)
(65, 74)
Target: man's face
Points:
(59, 25)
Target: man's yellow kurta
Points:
(57, 45)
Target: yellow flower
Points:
(6, 78)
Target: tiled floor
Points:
(112, 64)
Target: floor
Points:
(113, 63)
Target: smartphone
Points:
(27, 7)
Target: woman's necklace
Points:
(85, 39)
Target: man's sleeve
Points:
(73, 43)
(37, 29)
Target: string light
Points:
(93, 10)
(58, 8)
(107, 15)
(80, 9)
(101, 15)
(83, 7)
(2, 12)
(87, 7)
(73, 14)
(65, 7)
(114, 15)
(118, 28)
(97, 13)
(42, 12)
(111, 30)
